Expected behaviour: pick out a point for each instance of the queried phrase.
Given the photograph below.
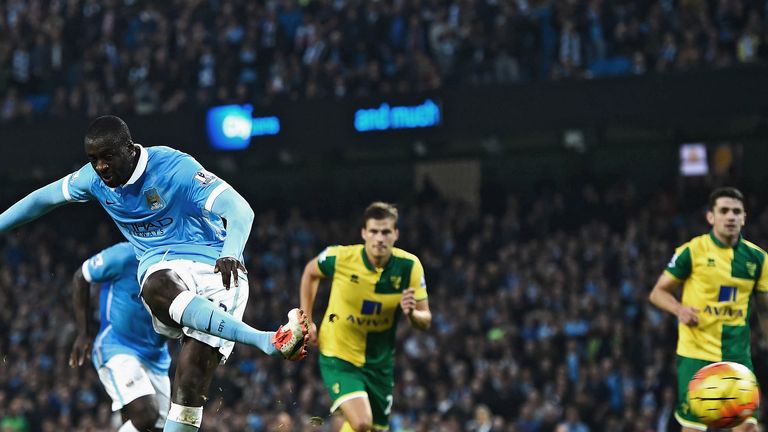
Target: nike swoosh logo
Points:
(110, 202)
(209, 323)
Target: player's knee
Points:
(146, 420)
(746, 427)
(362, 425)
(190, 390)
(143, 413)
(160, 288)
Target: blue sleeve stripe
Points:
(87, 272)
(215, 194)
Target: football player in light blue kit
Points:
(173, 212)
(131, 358)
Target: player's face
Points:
(113, 163)
(380, 236)
(727, 218)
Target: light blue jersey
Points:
(126, 326)
(164, 209)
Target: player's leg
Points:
(171, 293)
(141, 415)
(132, 392)
(749, 426)
(358, 415)
(346, 386)
(196, 365)
(686, 368)
(148, 413)
(380, 384)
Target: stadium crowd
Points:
(75, 57)
(541, 319)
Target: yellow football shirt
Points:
(718, 280)
(360, 322)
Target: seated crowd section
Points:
(62, 58)
(541, 319)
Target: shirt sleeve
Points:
(76, 187)
(108, 264)
(679, 267)
(326, 261)
(762, 281)
(202, 186)
(418, 281)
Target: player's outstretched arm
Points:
(81, 302)
(33, 206)
(232, 207)
(310, 280)
(662, 296)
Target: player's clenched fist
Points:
(407, 302)
(688, 315)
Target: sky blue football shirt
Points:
(164, 209)
(126, 326)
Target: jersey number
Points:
(388, 409)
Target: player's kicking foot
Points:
(291, 338)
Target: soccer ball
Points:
(723, 394)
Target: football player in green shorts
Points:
(372, 285)
(719, 271)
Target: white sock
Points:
(183, 418)
(182, 300)
(128, 427)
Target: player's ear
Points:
(396, 233)
(362, 232)
(710, 217)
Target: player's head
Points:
(725, 212)
(110, 149)
(380, 229)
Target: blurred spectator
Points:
(139, 56)
(537, 326)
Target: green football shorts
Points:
(346, 381)
(686, 368)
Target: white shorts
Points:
(126, 379)
(200, 279)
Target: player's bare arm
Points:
(418, 312)
(310, 280)
(761, 305)
(81, 301)
(663, 297)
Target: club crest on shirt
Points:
(154, 201)
(751, 268)
(204, 177)
(395, 281)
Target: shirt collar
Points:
(141, 165)
(369, 265)
(720, 244)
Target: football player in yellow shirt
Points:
(719, 271)
(372, 285)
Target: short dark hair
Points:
(380, 210)
(109, 128)
(727, 192)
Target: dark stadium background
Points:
(543, 206)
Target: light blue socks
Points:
(172, 426)
(194, 311)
